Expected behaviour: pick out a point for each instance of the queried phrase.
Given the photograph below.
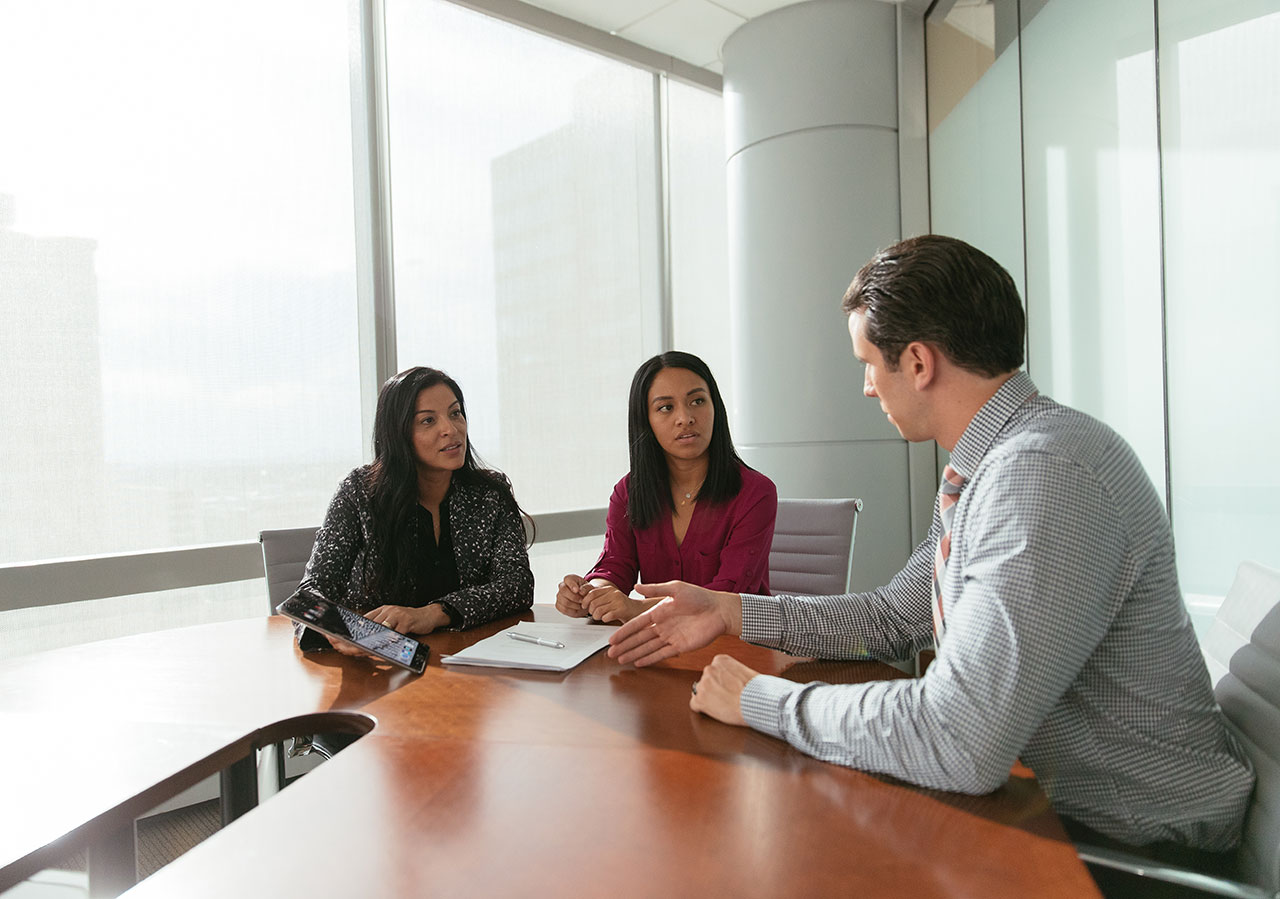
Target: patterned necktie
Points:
(948, 496)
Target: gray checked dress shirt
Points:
(1067, 643)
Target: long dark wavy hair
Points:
(393, 476)
(649, 483)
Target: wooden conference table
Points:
(486, 782)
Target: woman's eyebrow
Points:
(432, 411)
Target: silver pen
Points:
(528, 638)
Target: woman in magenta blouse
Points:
(689, 509)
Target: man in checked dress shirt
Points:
(1063, 640)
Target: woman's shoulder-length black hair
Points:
(393, 476)
(649, 484)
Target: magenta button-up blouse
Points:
(725, 548)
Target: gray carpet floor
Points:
(164, 837)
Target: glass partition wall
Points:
(1220, 130)
(1122, 159)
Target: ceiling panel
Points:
(691, 30)
(749, 9)
(607, 15)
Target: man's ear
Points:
(920, 361)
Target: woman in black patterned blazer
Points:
(425, 537)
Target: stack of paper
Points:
(504, 651)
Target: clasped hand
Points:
(599, 600)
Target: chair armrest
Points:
(1145, 867)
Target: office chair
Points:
(284, 559)
(1242, 651)
(813, 545)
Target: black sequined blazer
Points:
(488, 546)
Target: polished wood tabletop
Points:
(486, 781)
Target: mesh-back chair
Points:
(1242, 650)
(813, 545)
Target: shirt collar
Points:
(990, 421)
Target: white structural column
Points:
(811, 109)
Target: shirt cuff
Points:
(762, 703)
(761, 620)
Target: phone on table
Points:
(311, 609)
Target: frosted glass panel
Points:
(526, 229)
(1101, 265)
(699, 245)
(975, 167)
(178, 347)
(1220, 95)
(1093, 215)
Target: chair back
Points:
(1242, 649)
(813, 545)
(284, 557)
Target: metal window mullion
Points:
(371, 164)
(1164, 277)
(913, 217)
(662, 163)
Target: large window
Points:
(180, 336)
(178, 351)
(177, 314)
(699, 247)
(525, 202)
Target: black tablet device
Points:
(313, 610)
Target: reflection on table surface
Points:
(497, 781)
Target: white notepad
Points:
(501, 651)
